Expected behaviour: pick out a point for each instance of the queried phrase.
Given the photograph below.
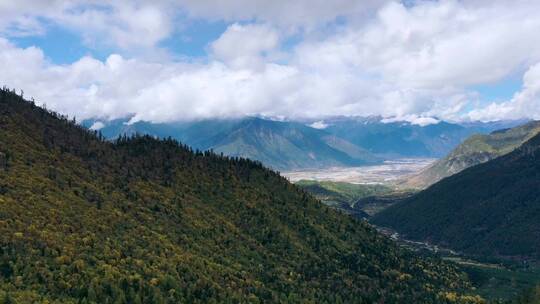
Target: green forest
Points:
(142, 220)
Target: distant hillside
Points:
(489, 209)
(289, 145)
(404, 139)
(142, 220)
(374, 204)
(343, 196)
(475, 150)
(281, 145)
(201, 135)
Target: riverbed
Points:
(385, 173)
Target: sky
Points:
(174, 60)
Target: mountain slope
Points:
(281, 145)
(475, 150)
(289, 145)
(201, 135)
(489, 209)
(142, 220)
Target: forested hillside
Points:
(477, 149)
(142, 220)
(490, 209)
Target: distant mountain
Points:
(281, 145)
(404, 139)
(201, 135)
(488, 209)
(143, 220)
(287, 145)
(475, 150)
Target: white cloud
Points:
(410, 62)
(96, 126)
(436, 44)
(18, 18)
(138, 23)
(158, 92)
(319, 125)
(245, 46)
(413, 119)
(525, 103)
(121, 23)
(304, 13)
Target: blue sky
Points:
(194, 38)
(61, 45)
(176, 60)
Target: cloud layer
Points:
(306, 59)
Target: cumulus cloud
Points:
(123, 24)
(436, 44)
(411, 62)
(160, 92)
(18, 18)
(525, 103)
(139, 23)
(246, 46)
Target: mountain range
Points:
(290, 145)
(281, 145)
(146, 220)
(400, 139)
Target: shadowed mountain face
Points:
(475, 150)
(281, 145)
(142, 220)
(489, 209)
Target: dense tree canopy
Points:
(142, 220)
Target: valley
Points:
(361, 191)
(493, 279)
(269, 152)
(368, 192)
(386, 173)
